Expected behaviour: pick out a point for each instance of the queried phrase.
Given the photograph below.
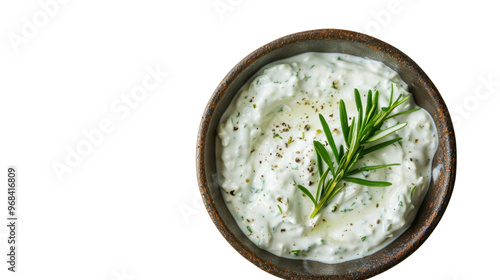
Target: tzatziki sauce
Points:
(265, 149)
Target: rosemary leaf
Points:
(320, 164)
(381, 145)
(343, 121)
(372, 167)
(401, 113)
(383, 133)
(307, 192)
(320, 149)
(329, 137)
(367, 183)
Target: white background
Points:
(130, 208)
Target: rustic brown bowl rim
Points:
(445, 181)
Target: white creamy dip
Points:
(265, 146)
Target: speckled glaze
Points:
(426, 95)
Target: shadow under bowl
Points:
(425, 94)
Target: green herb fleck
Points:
(307, 77)
(290, 140)
(345, 210)
(413, 190)
(255, 105)
(281, 211)
(296, 252)
(249, 229)
(277, 135)
(363, 238)
(400, 204)
(370, 198)
(334, 209)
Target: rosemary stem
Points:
(367, 129)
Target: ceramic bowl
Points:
(426, 95)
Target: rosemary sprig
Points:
(363, 130)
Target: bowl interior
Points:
(426, 96)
